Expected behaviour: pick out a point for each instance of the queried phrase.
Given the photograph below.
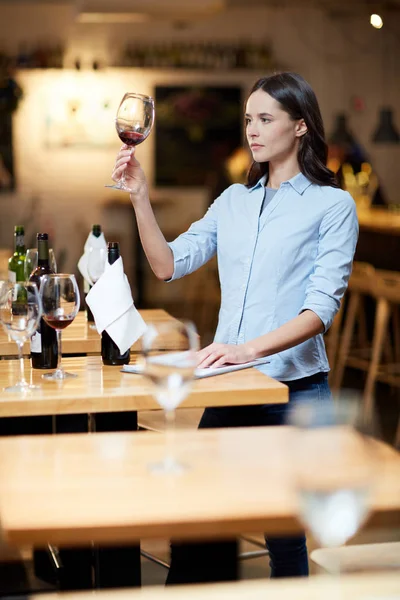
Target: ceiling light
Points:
(376, 21)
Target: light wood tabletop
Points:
(74, 488)
(100, 388)
(79, 337)
(366, 586)
(379, 219)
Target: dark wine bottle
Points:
(44, 350)
(109, 350)
(96, 231)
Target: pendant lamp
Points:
(386, 131)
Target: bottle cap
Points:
(96, 230)
(42, 236)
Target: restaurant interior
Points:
(86, 510)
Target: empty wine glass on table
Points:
(134, 121)
(31, 261)
(169, 362)
(61, 301)
(20, 312)
(333, 454)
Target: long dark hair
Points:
(297, 98)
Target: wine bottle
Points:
(109, 350)
(44, 350)
(96, 231)
(16, 264)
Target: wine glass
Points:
(61, 301)
(134, 121)
(169, 361)
(20, 312)
(333, 457)
(31, 261)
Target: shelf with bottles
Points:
(198, 55)
(40, 56)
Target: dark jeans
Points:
(217, 561)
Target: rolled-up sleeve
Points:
(338, 237)
(197, 245)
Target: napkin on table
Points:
(91, 242)
(111, 303)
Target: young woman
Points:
(285, 243)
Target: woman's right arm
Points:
(157, 251)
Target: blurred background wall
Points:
(353, 68)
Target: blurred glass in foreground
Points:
(333, 467)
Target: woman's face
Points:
(271, 134)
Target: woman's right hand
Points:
(135, 178)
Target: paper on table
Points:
(111, 303)
(91, 242)
(201, 373)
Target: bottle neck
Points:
(113, 255)
(19, 243)
(43, 252)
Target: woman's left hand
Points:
(216, 355)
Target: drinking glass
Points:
(20, 312)
(61, 301)
(333, 454)
(169, 361)
(31, 261)
(134, 121)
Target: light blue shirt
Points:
(296, 255)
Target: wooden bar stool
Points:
(384, 287)
(360, 285)
(386, 290)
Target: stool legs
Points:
(380, 329)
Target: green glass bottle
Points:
(16, 264)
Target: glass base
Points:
(22, 387)
(59, 375)
(168, 466)
(119, 186)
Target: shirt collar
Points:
(299, 183)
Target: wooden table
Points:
(79, 338)
(72, 489)
(99, 388)
(381, 220)
(366, 586)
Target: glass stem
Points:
(59, 355)
(21, 363)
(122, 181)
(170, 433)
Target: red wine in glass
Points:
(134, 120)
(59, 322)
(131, 138)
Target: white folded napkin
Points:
(91, 242)
(111, 303)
